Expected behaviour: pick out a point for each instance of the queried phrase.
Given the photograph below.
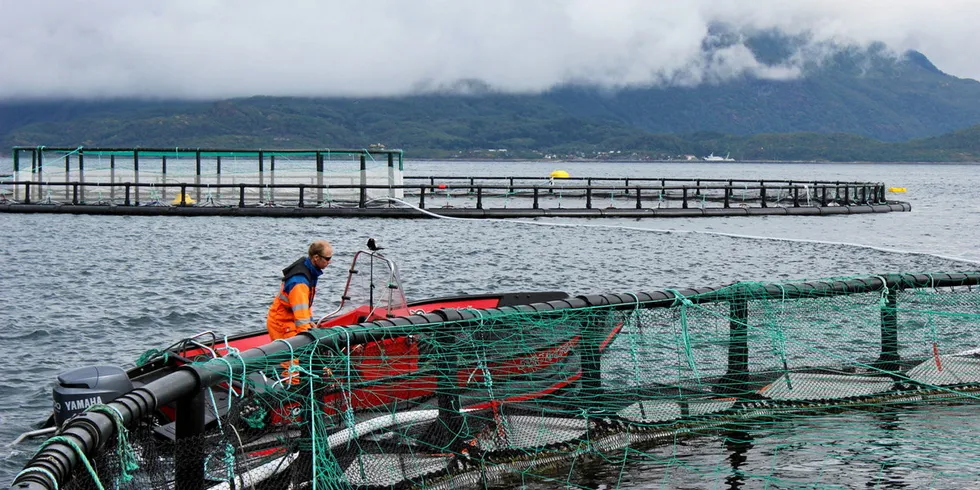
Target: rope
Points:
(935, 344)
(151, 354)
(634, 348)
(778, 339)
(685, 335)
(291, 356)
(81, 456)
(124, 451)
(36, 469)
(668, 231)
(231, 351)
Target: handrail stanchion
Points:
(738, 347)
(638, 202)
(67, 176)
(684, 197)
(112, 178)
(450, 429)
(362, 201)
(591, 333)
(136, 177)
(189, 471)
(319, 178)
(16, 173)
(888, 359)
(163, 179)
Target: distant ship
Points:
(712, 158)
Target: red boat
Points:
(390, 375)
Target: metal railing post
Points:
(362, 202)
(16, 173)
(738, 346)
(888, 359)
(189, 470)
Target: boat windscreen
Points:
(373, 281)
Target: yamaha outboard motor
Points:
(80, 388)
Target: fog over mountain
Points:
(207, 49)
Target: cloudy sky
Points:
(233, 48)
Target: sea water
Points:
(82, 290)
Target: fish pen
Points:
(162, 176)
(532, 394)
(371, 183)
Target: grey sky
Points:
(232, 48)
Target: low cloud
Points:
(224, 48)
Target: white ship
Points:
(712, 158)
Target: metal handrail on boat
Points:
(345, 296)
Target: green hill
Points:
(859, 105)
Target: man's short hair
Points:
(318, 247)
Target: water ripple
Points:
(79, 290)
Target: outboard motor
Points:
(81, 388)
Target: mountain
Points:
(856, 104)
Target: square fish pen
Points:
(217, 177)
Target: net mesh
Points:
(752, 383)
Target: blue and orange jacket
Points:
(290, 311)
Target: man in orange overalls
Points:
(290, 311)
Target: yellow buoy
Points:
(187, 199)
(559, 174)
(896, 189)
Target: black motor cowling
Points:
(80, 388)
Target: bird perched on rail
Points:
(373, 246)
